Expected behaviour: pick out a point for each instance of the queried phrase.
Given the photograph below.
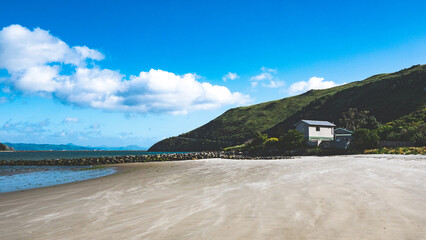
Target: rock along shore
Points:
(131, 159)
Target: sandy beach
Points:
(339, 197)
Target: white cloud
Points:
(34, 61)
(230, 76)
(267, 76)
(37, 79)
(253, 84)
(313, 83)
(159, 90)
(70, 120)
(21, 49)
(271, 70)
(262, 76)
(86, 52)
(274, 84)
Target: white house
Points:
(316, 131)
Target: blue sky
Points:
(134, 72)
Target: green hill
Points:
(386, 96)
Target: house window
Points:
(318, 128)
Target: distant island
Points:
(65, 147)
(4, 147)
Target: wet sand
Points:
(341, 197)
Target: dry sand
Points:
(342, 197)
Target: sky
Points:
(118, 73)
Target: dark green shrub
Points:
(257, 143)
(313, 151)
(292, 140)
(419, 137)
(364, 139)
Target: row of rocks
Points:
(130, 159)
(112, 159)
(255, 157)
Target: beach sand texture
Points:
(339, 197)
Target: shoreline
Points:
(340, 197)
(174, 156)
(13, 180)
(119, 168)
(125, 167)
(107, 160)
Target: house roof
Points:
(316, 123)
(342, 131)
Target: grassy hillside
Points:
(388, 96)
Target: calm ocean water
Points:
(41, 155)
(15, 178)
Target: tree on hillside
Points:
(364, 139)
(259, 138)
(355, 119)
(271, 145)
(292, 139)
(257, 142)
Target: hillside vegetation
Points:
(386, 97)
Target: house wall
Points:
(323, 133)
(310, 132)
(343, 137)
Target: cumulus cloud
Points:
(159, 90)
(313, 83)
(230, 76)
(267, 78)
(22, 49)
(35, 59)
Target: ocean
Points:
(16, 178)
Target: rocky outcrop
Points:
(4, 147)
